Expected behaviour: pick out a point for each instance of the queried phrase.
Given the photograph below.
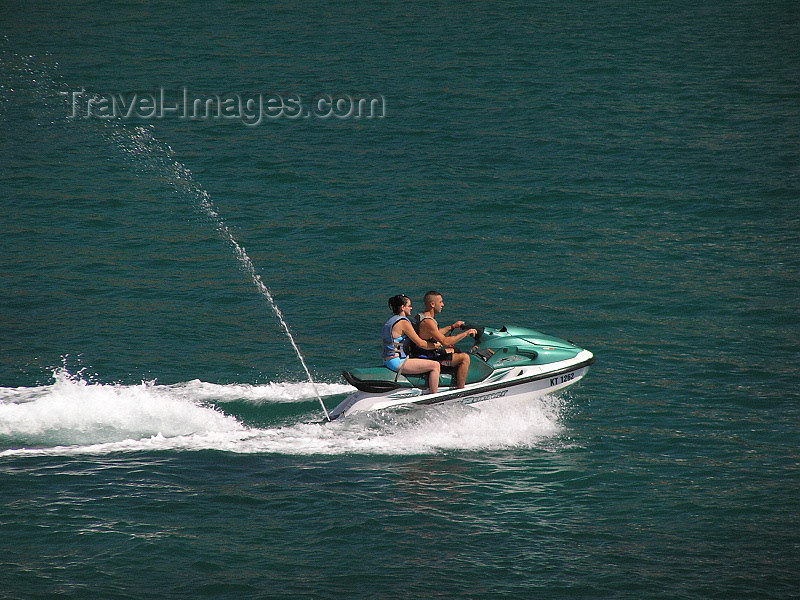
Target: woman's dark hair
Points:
(397, 302)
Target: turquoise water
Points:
(622, 176)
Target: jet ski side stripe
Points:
(502, 384)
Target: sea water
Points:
(622, 176)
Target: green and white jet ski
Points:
(504, 363)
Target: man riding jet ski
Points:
(428, 329)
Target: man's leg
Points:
(461, 362)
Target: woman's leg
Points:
(417, 366)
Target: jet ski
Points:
(504, 363)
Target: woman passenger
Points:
(397, 332)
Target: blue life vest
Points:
(394, 347)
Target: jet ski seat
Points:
(376, 380)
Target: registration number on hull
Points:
(562, 379)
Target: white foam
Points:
(73, 411)
(73, 416)
(258, 394)
(422, 431)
